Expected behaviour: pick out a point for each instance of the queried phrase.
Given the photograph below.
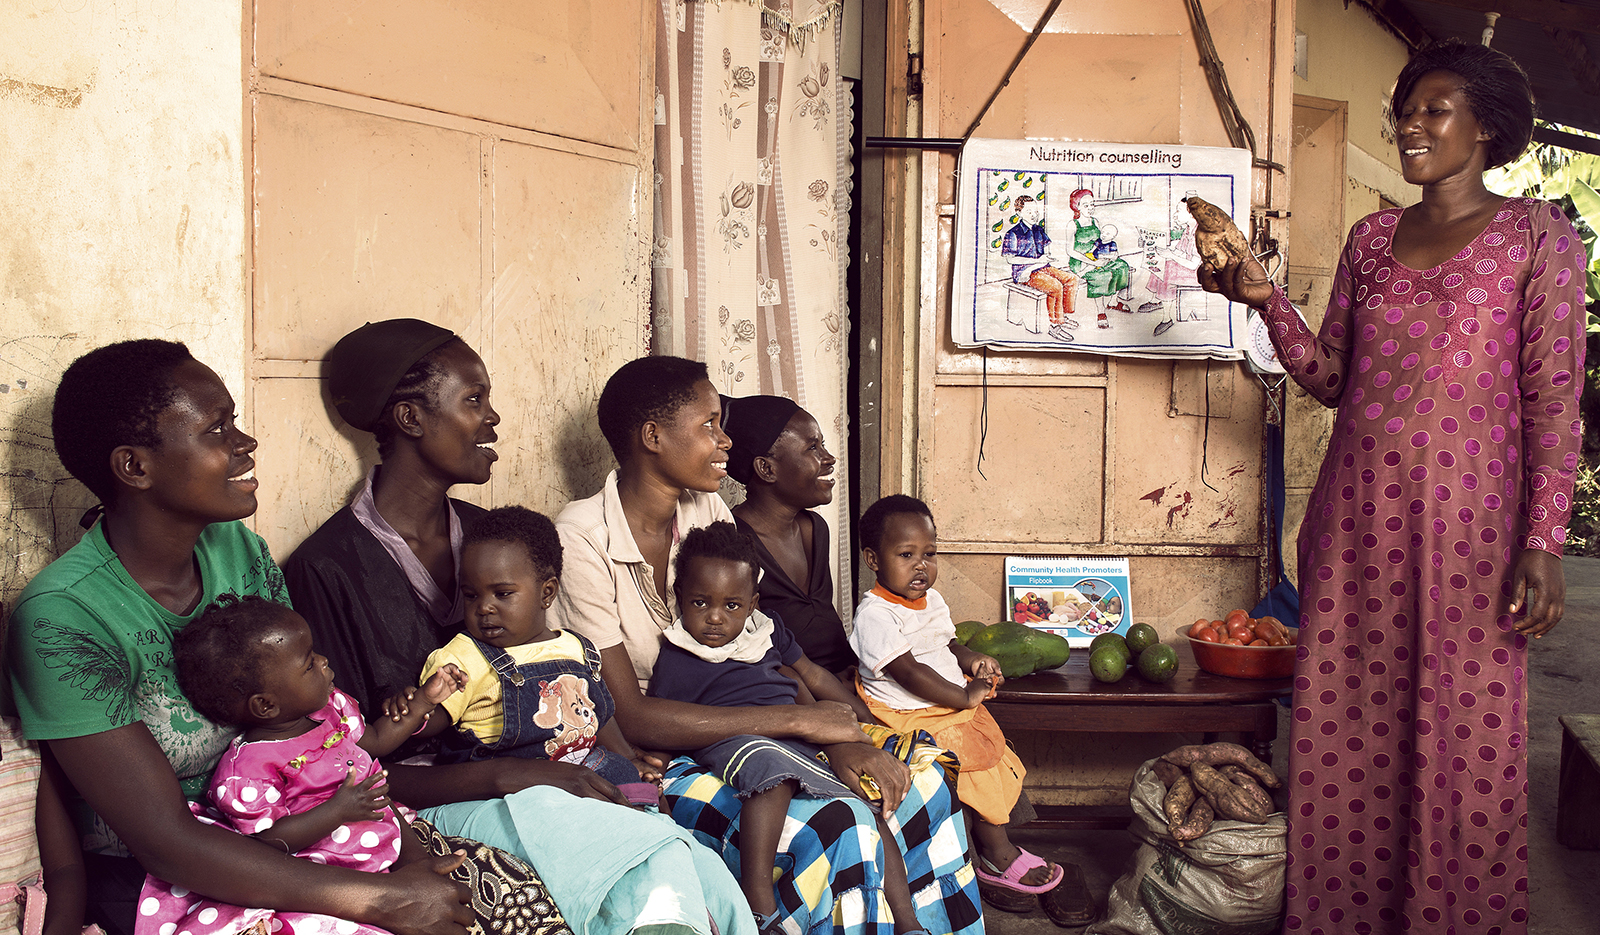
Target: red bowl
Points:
(1243, 662)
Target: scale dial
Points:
(1258, 350)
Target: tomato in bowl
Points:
(1239, 646)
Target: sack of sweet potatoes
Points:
(1204, 872)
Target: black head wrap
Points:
(367, 364)
(754, 423)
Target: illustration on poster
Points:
(1090, 248)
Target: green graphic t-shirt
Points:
(91, 651)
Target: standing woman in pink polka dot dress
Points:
(1430, 553)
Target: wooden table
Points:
(1069, 699)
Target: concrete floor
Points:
(1564, 896)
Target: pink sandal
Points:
(1011, 879)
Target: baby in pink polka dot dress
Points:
(303, 775)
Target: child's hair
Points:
(870, 529)
(219, 655)
(649, 389)
(112, 396)
(720, 540)
(520, 526)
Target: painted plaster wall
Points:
(482, 165)
(121, 134)
(1351, 58)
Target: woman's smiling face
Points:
(202, 469)
(802, 467)
(458, 426)
(692, 448)
(1438, 135)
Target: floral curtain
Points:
(752, 208)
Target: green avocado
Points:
(1019, 649)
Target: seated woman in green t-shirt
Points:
(150, 431)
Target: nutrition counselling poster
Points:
(1077, 598)
(1089, 248)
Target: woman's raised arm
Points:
(126, 779)
(1318, 362)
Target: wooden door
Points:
(1086, 455)
(1159, 461)
(1316, 235)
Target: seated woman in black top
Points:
(779, 456)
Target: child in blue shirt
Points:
(721, 650)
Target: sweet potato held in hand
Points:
(1218, 239)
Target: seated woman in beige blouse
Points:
(662, 418)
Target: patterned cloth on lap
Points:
(837, 838)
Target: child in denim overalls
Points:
(531, 691)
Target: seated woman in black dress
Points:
(780, 457)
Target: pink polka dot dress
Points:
(1453, 448)
(255, 785)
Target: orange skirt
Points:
(991, 774)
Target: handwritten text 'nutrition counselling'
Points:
(1154, 157)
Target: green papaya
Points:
(967, 629)
(1020, 649)
(1016, 660)
(995, 635)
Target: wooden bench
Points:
(1578, 796)
(1025, 306)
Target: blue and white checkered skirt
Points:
(829, 868)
